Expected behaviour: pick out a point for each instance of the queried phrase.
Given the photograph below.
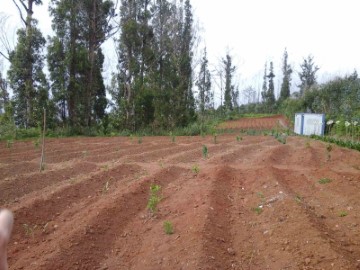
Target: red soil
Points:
(88, 209)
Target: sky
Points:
(256, 31)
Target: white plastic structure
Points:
(309, 124)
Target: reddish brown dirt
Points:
(254, 204)
(262, 123)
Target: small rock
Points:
(307, 261)
(231, 251)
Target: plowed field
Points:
(254, 204)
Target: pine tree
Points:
(205, 97)
(285, 86)
(307, 75)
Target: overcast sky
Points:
(255, 31)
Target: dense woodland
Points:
(155, 87)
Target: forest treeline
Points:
(153, 87)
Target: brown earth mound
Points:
(251, 204)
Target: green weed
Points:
(29, 230)
(195, 169)
(238, 138)
(324, 181)
(298, 198)
(343, 214)
(168, 227)
(258, 210)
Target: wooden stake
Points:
(43, 144)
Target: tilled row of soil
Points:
(250, 204)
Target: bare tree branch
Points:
(19, 9)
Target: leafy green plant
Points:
(238, 138)
(343, 214)
(205, 151)
(168, 227)
(195, 169)
(154, 198)
(324, 181)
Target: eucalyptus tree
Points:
(76, 60)
(203, 83)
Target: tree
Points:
(75, 59)
(249, 94)
(229, 70)
(307, 75)
(205, 98)
(269, 96)
(4, 95)
(26, 77)
(264, 86)
(135, 64)
(285, 86)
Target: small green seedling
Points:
(298, 198)
(328, 150)
(343, 214)
(258, 210)
(154, 198)
(205, 151)
(106, 187)
(168, 227)
(29, 230)
(324, 181)
(238, 138)
(195, 169)
(37, 143)
(9, 143)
